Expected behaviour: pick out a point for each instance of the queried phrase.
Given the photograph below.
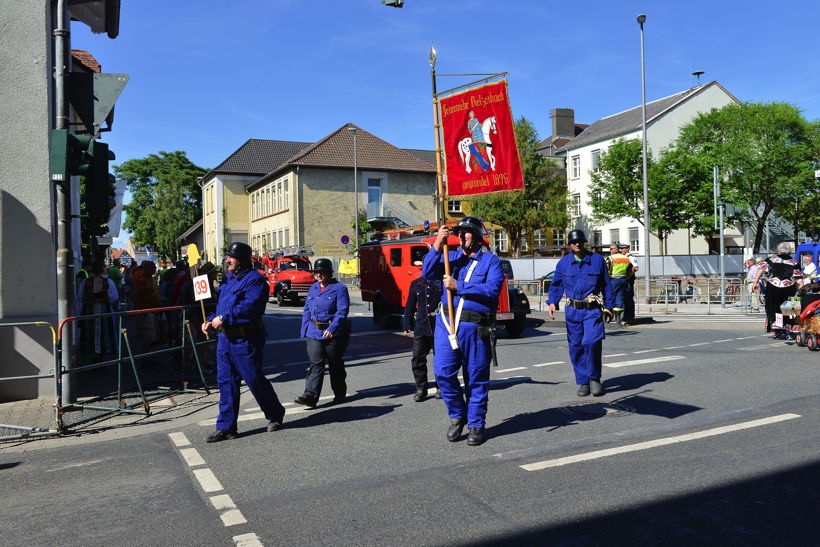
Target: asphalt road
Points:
(708, 435)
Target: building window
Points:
(597, 237)
(500, 238)
(287, 230)
(454, 206)
(374, 197)
(279, 196)
(596, 159)
(539, 238)
(576, 166)
(614, 235)
(285, 198)
(558, 237)
(522, 242)
(268, 208)
(634, 242)
(575, 209)
(253, 205)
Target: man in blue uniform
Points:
(475, 280)
(243, 296)
(583, 277)
(327, 333)
(420, 317)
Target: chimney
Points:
(563, 122)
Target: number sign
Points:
(202, 289)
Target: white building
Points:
(664, 118)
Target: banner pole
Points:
(441, 192)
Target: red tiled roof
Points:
(85, 59)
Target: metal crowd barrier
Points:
(26, 432)
(126, 355)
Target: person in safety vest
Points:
(475, 280)
(243, 296)
(582, 276)
(326, 330)
(619, 268)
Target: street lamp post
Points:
(647, 279)
(352, 129)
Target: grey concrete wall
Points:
(27, 270)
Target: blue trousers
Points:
(473, 360)
(618, 288)
(242, 360)
(585, 333)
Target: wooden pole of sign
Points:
(195, 268)
(442, 196)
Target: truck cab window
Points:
(395, 257)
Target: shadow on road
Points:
(334, 414)
(635, 381)
(774, 509)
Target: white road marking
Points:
(508, 370)
(258, 415)
(647, 350)
(673, 347)
(179, 439)
(614, 355)
(247, 540)
(719, 341)
(222, 502)
(762, 346)
(232, 517)
(192, 457)
(207, 480)
(657, 442)
(700, 344)
(81, 464)
(644, 361)
(552, 363)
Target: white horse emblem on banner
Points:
(467, 149)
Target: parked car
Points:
(546, 281)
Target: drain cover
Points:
(596, 409)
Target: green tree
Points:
(364, 227)
(767, 151)
(542, 204)
(165, 198)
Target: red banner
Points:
(479, 141)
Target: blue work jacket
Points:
(242, 298)
(329, 305)
(480, 293)
(580, 278)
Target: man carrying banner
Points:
(475, 281)
(583, 277)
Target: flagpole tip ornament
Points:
(432, 57)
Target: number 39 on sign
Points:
(202, 289)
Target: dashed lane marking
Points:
(673, 347)
(719, 341)
(192, 457)
(657, 442)
(644, 361)
(647, 350)
(762, 346)
(179, 439)
(247, 540)
(554, 363)
(614, 355)
(222, 502)
(207, 480)
(232, 517)
(699, 344)
(502, 371)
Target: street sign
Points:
(202, 289)
(193, 254)
(345, 240)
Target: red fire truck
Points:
(389, 266)
(288, 272)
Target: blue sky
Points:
(208, 75)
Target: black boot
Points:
(306, 400)
(221, 435)
(596, 388)
(476, 436)
(583, 390)
(421, 394)
(455, 429)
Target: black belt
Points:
(320, 324)
(482, 318)
(583, 304)
(243, 330)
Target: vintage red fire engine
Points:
(288, 273)
(389, 266)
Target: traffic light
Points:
(99, 183)
(81, 155)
